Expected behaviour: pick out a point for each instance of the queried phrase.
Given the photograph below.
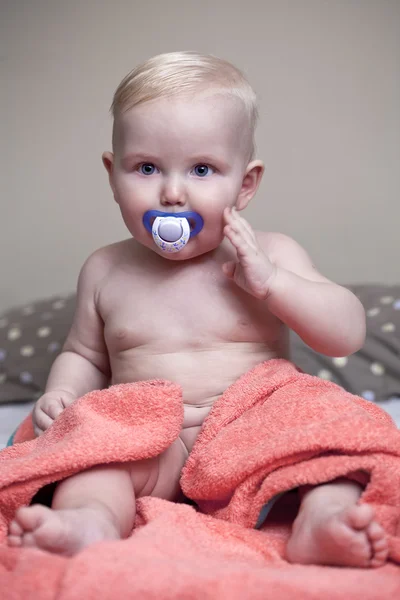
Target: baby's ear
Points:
(108, 162)
(251, 181)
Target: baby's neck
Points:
(217, 255)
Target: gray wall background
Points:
(328, 80)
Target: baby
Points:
(198, 299)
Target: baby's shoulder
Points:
(274, 242)
(285, 252)
(106, 260)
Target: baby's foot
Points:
(347, 537)
(60, 531)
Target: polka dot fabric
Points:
(374, 371)
(31, 337)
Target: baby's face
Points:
(175, 155)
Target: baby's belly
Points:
(203, 374)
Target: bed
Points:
(31, 336)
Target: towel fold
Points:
(271, 431)
(125, 422)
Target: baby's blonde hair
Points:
(179, 73)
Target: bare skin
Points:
(331, 529)
(201, 319)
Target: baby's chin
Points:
(183, 255)
(191, 250)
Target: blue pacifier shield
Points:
(172, 231)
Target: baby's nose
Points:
(173, 193)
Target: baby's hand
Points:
(254, 270)
(48, 408)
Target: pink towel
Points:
(272, 430)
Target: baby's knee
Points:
(100, 482)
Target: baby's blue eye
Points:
(147, 169)
(202, 170)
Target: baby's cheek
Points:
(129, 186)
(221, 199)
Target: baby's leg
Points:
(97, 504)
(332, 529)
(91, 506)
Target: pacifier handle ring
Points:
(171, 246)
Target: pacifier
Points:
(172, 231)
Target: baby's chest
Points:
(177, 314)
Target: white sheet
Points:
(11, 416)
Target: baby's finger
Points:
(54, 410)
(240, 230)
(37, 431)
(239, 224)
(228, 218)
(231, 234)
(43, 421)
(67, 401)
(229, 268)
(238, 240)
(243, 221)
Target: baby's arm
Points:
(83, 364)
(328, 317)
(276, 269)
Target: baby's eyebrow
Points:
(137, 156)
(208, 159)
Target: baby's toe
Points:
(31, 517)
(359, 516)
(14, 540)
(15, 529)
(28, 540)
(379, 558)
(375, 532)
(379, 544)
